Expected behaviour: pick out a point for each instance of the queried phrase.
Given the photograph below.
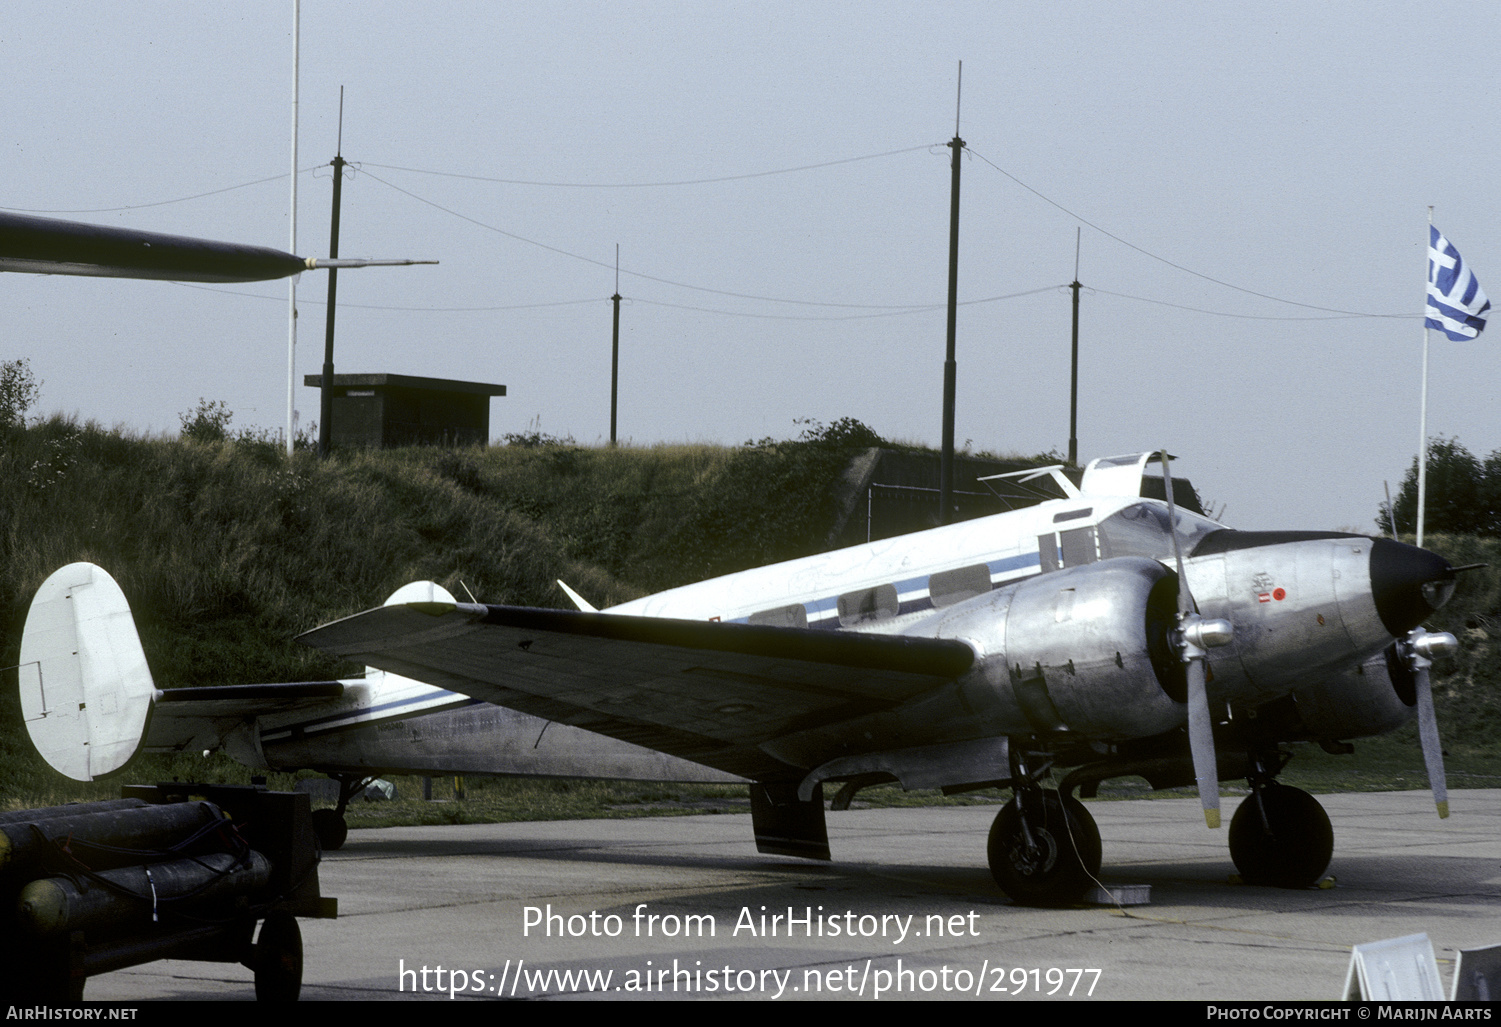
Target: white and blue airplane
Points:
(1103, 631)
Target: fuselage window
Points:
(1078, 546)
(949, 587)
(868, 604)
(794, 616)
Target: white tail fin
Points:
(86, 691)
(414, 592)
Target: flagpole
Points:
(1423, 405)
(292, 281)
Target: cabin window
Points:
(949, 587)
(1072, 548)
(1078, 546)
(868, 604)
(794, 616)
(1048, 556)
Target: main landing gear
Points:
(1044, 848)
(329, 824)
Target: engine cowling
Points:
(1372, 698)
(1084, 650)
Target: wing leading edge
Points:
(706, 691)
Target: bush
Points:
(19, 391)
(208, 422)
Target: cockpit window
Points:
(1142, 529)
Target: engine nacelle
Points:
(1084, 650)
(1376, 696)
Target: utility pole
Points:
(950, 368)
(1073, 388)
(615, 347)
(326, 403)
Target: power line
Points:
(376, 306)
(638, 274)
(650, 185)
(926, 308)
(1187, 270)
(1248, 317)
(159, 203)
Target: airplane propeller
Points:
(1418, 651)
(1193, 639)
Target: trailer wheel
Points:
(278, 959)
(330, 827)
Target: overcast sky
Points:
(1287, 149)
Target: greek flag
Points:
(1456, 304)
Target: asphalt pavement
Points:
(684, 907)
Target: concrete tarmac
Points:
(477, 899)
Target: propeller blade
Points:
(1201, 743)
(1185, 597)
(1419, 649)
(1194, 635)
(1433, 753)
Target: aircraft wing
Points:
(706, 691)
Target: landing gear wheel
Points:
(1062, 859)
(278, 959)
(330, 828)
(1291, 848)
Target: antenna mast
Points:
(326, 397)
(950, 367)
(615, 347)
(1073, 388)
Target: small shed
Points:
(387, 410)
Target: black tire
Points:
(330, 828)
(1062, 864)
(1291, 849)
(278, 959)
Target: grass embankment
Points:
(226, 551)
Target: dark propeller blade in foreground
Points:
(48, 246)
(1194, 637)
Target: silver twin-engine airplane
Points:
(1105, 632)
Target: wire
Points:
(1249, 317)
(926, 308)
(631, 299)
(376, 306)
(651, 185)
(159, 203)
(639, 274)
(1187, 270)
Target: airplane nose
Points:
(1409, 584)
